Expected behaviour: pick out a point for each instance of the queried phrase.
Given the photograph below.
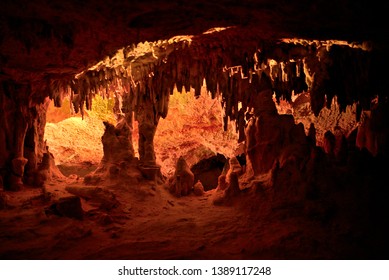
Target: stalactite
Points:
(186, 73)
(299, 81)
(234, 98)
(210, 80)
(232, 70)
(244, 92)
(225, 122)
(179, 77)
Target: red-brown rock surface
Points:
(294, 200)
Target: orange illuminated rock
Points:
(183, 180)
(198, 189)
(118, 160)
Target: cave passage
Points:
(193, 128)
(211, 146)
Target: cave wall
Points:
(233, 69)
(373, 132)
(47, 50)
(243, 75)
(22, 134)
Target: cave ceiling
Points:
(50, 42)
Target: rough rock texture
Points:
(100, 197)
(198, 188)
(246, 51)
(148, 122)
(329, 143)
(22, 134)
(182, 182)
(208, 170)
(271, 137)
(47, 50)
(228, 183)
(3, 201)
(373, 132)
(47, 170)
(68, 207)
(118, 161)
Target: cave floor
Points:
(150, 223)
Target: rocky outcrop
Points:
(198, 189)
(228, 183)
(23, 120)
(3, 201)
(241, 64)
(285, 66)
(118, 161)
(273, 138)
(182, 182)
(96, 196)
(373, 132)
(208, 170)
(69, 206)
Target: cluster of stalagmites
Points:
(281, 159)
(24, 156)
(144, 81)
(118, 161)
(241, 74)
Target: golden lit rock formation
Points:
(302, 83)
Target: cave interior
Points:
(309, 182)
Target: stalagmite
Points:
(329, 143)
(198, 189)
(18, 162)
(183, 179)
(118, 161)
(148, 121)
(242, 74)
(312, 134)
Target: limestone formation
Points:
(46, 171)
(373, 132)
(17, 173)
(312, 134)
(233, 185)
(118, 160)
(148, 121)
(142, 76)
(329, 143)
(254, 53)
(198, 188)
(341, 146)
(228, 185)
(183, 179)
(271, 137)
(208, 170)
(234, 167)
(221, 182)
(3, 200)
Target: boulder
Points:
(102, 198)
(69, 206)
(198, 189)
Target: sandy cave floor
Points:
(150, 223)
